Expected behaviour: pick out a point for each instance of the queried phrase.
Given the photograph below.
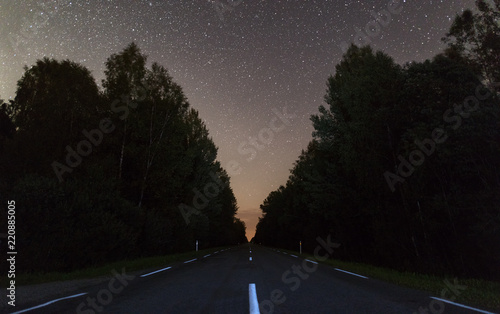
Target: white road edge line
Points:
(311, 261)
(252, 299)
(50, 302)
(344, 271)
(191, 260)
(464, 306)
(207, 255)
(148, 274)
(293, 255)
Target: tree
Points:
(356, 132)
(123, 88)
(55, 102)
(435, 125)
(476, 38)
(123, 203)
(7, 127)
(239, 230)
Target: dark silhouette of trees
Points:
(403, 168)
(475, 37)
(7, 127)
(98, 175)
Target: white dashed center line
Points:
(252, 298)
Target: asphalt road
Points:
(224, 282)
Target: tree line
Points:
(98, 174)
(404, 166)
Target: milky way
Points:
(241, 63)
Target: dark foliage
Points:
(98, 176)
(404, 167)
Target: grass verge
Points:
(479, 293)
(105, 270)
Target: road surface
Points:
(245, 279)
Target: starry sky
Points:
(242, 64)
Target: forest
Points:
(98, 175)
(403, 170)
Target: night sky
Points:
(239, 62)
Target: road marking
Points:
(252, 299)
(293, 255)
(461, 305)
(344, 271)
(279, 251)
(155, 272)
(192, 260)
(250, 258)
(216, 252)
(50, 302)
(207, 255)
(311, 261)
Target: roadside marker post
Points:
(300, 247)
(196, 245)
